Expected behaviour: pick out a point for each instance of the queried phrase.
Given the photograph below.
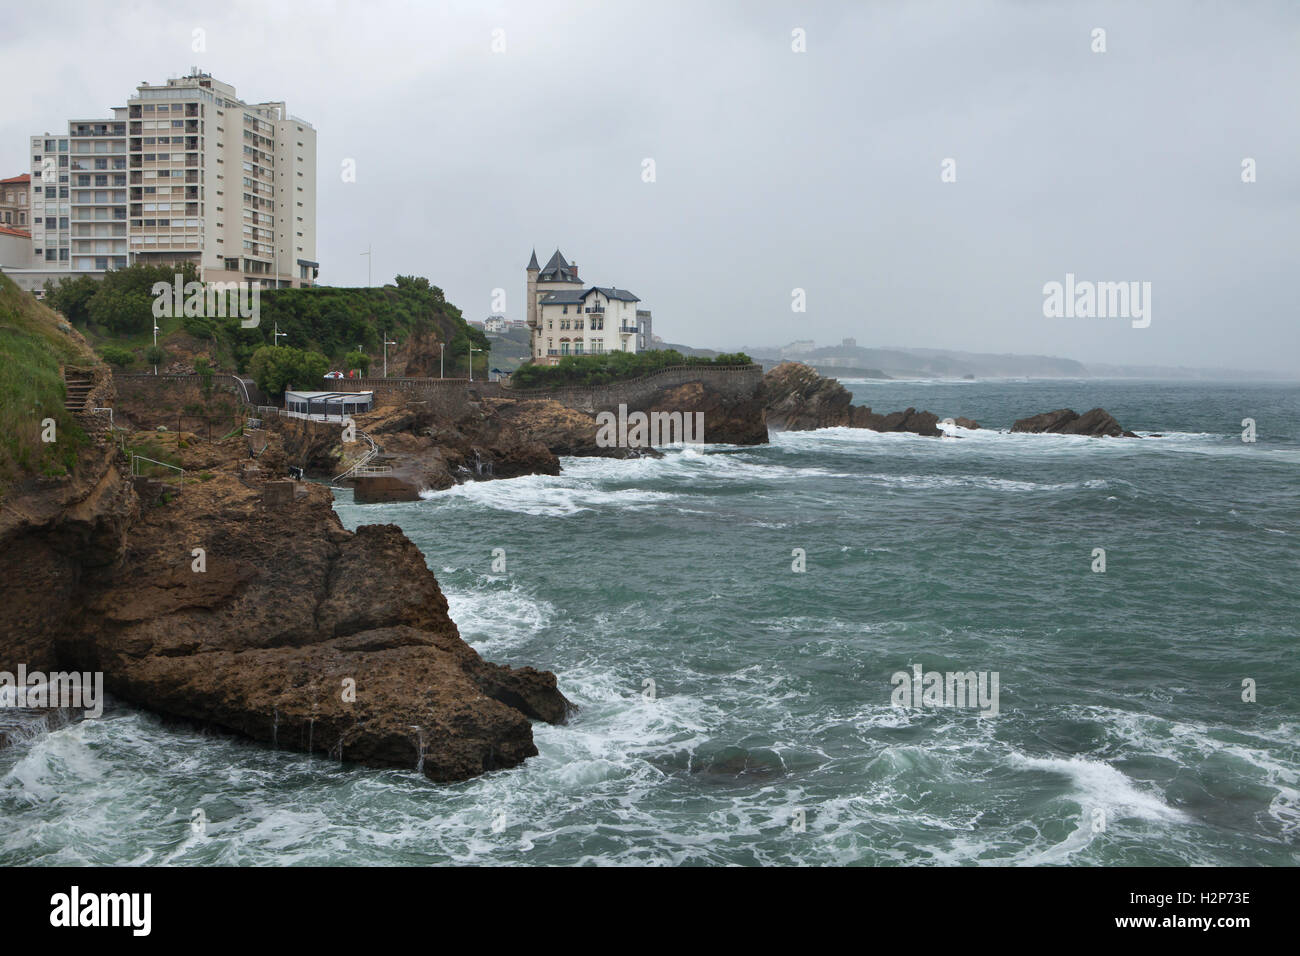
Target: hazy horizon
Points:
(775, 170)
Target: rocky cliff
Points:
(300, 634)
(237, 600)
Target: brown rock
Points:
(798, 398)
(290, 608)
(1097, 423)
(726, 420)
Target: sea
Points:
(733, 623)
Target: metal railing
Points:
(137, 472)
(363, 462)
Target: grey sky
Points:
(775, 169)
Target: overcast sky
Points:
(774, 169)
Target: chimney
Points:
(574, 267)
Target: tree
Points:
(72, 297)
(155, 355)
(123, 300)
(357, 360)
(418, 283)
(277, 367)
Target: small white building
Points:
(588, 322)
(494, 323)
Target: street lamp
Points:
(155, 344)
(278, 334)
(472, 350)
(442, 348)
(386, 344)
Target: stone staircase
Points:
(78, 385)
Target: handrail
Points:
(362, 461)
(135, 472)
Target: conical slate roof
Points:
(558, 270)
(532, 263)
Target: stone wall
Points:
(740, 381)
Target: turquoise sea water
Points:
(1121, 736)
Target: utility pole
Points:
(472, 350)
(442, 349)
(386, 344)
(155, 343)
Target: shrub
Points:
(586, 370)
(122, 358)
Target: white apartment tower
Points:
(186, 171)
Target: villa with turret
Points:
(568, 317)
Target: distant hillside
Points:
(849, 361)
(510, 349)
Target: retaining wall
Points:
(737, 381)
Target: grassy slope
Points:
(32, 351)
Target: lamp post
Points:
(155, 344)
(472, 350)
(278, 335)
(442, 349)
(387, 343)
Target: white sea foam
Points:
(493, 616)
(547, 496)
(1098, 784)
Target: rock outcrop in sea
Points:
(1097, 423)
(798, 398)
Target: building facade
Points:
(15, 196)
(567, 317)
(185, 172)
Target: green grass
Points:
(32, 351)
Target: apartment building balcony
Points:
(98, 129)
(627, 329)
